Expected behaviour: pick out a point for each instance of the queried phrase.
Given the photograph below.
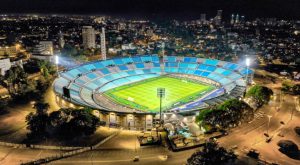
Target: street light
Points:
(269, 119)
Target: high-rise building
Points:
(61, 40)
(242, 19)
(218, 18)
(88, 37)
(103, 45)
(203, 18)
(237, 19)
(232, 19)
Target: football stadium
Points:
(130, 84)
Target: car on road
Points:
(269, 139)
(136, 158)
(280, 134)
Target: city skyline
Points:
(189, 9)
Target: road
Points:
(14, 156)
(122, 149)
(251, 135)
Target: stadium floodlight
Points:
(248, 62)
(56, 59)
(161, 92)
(57, 62)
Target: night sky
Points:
(186, 9)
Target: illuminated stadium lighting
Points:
(248, 62)
(56, 60)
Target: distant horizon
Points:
(163, 9)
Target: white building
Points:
(61, 40)
(88, 37)
(4, 65)
(203, 18)
(44, 51)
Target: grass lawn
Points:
(143, 95)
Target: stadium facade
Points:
(86, 84)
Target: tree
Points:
(79, 123)
(37, 122)
(296, 89)
(212, 154)
(230, 113)
(288, 147)
(259, 94)
(14, 79)
(297, 130)
(41, 108)
(69, 50)
(3, 105)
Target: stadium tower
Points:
(103, 46)
(162, 66)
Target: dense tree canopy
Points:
(259, 94)
(63, 124)
(212, 154)
(37, 122)
(21, 87)
(230, 113)
(290, 87)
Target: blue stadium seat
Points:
(137, 59)
(146, 58)
(202, 67)
(107, 63)
(155, 59)
(123, 67)
(132, 72)
(211, 62)
(118, 61)
(127, 60)
(190, 59)
(89, 67)
(205, 74)
(211, 68)
(139, 65)
(98, 65)
(183, 65)
(105, 71)
(171, 64)
(171, 59)
(91, 75)
(156, 64)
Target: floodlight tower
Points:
(56, 63)
(163, 49)
(103, 45)
(248, 63)
(161, 92)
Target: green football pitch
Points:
(143, 95)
